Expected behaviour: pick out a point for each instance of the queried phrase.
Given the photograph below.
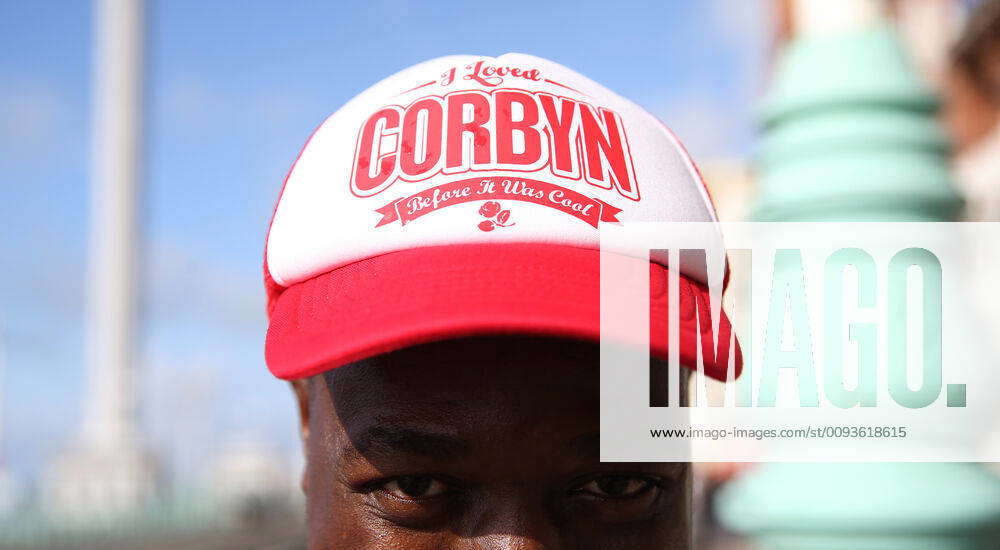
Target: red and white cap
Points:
(462, 197)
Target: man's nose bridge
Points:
(502, 541)
(512, 520)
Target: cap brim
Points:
(429, 294)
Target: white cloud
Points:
(278, 109)
(704, 126)
(715, 125)
(182, 286)
(742, 21)
(747, 27)
(194, 109)
(31, 112)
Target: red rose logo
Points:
(489, 209)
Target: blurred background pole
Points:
(850, 133)
(107, 472)
(117, 146)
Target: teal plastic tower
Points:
(850, 134)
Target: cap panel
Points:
(472, 149)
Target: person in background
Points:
(972, 111)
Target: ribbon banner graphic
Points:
(565, 200)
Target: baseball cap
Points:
(462, 197)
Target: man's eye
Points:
(415, 487)
(616, 486)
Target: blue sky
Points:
(233, 90)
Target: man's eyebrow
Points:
(387, 440)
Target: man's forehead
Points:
(472, 363)
(460, 395)
(483, 400)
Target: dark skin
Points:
(476, 444)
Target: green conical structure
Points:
(850, 134)
(865, 506)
